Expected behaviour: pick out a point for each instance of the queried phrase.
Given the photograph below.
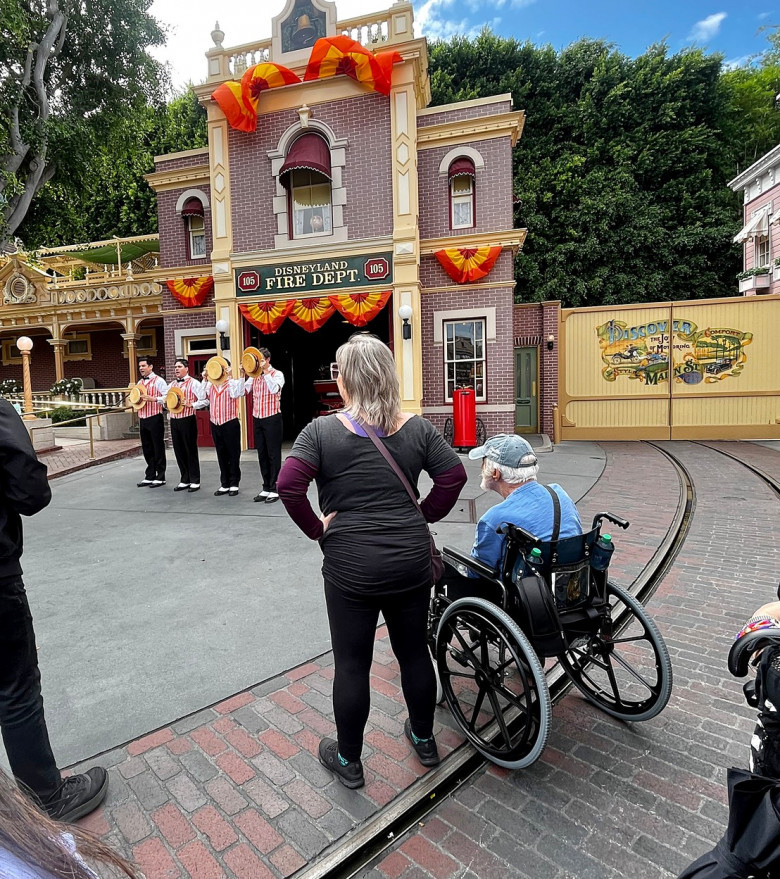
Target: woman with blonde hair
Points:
(375, 541)
(32, 846)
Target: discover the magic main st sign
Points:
(315, 276)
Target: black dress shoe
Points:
(157, 483)
(221, 492)
(194, 487)
(272, 498)
(233, 492)
(182, 486)
(145, 483)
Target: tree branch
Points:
(40, 174)
(12, 163)
(46, 46)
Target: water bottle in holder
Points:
(533, 562)
(601, 554)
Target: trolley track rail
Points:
(360, 848)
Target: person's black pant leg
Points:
(352, 621)
(190, 435)
(157, 426)
(147, 447)
(232, 437)
(179, 440)
(262, 452)
(218, 435)
(272, 428)
(22, 720)
(406, 615)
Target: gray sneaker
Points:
(78, 795)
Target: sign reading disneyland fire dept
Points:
(315, 276)
(643, 353)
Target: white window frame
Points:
(761, 251)
(147, 350)
(325, 233)
(9, 345)
(480, 398)
(463, 198)
(197, 234)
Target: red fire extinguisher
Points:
(464, 412)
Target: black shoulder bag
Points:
(437, 562)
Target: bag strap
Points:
(371, 434)
(556, 501)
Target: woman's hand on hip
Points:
(326, 520)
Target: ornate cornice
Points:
(467, 130)
(176, 179)
(510, 238)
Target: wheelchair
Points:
(489, 645)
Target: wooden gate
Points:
(701, 369)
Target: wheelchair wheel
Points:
(623, 667)
(493, 682)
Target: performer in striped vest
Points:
(152, 424)
(225, 428)
(267, 422)
(184, 428)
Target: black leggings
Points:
(353, 620)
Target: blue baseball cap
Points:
(507, 449)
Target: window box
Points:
(755, 282)
(776, 273)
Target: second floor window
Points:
(197, 230)
(462, 206)
(306, 175)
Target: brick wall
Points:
(190, 321)
(464, 113)
(493, 189)
(531, 325)
(364, 121)
(174, 232)
(176, 164)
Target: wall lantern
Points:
(405, 313)
(550, 342)
(222, 328)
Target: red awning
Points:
(462, 166)
(309, 152)
(193, 207)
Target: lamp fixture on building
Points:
(222, 328)
(550, 342)
(24, 344)
(405, 313)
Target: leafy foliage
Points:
(621, 173)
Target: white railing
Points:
(243, 57)
(110, 397)
(367, 32)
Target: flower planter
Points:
(755, 282)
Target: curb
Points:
(116, 456)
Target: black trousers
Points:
(153, 445)
(184, 435)
(227, 442)
(268, 442)
(22, 722)
(353, 621)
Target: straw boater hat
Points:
(134, 397)
(216, 370)
(251, 360)
(174, 400)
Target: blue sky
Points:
(728, 27)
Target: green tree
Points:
(109, 196)
(74, 74)
(620, 176)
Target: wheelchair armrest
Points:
(475, 565)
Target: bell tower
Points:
(299, 25)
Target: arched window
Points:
(192, 212)
(462, 177)
(306, 175)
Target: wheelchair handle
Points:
(616, 520)
(516, 531)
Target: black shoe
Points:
(157, 483)
(221, 492)
(233, 492)
(260, 498)
(194, 487)
(144, 483)
(182, 486)
(272, 498)
(426, 750)
(350, 775)
(78, 795)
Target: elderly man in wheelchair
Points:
(535, 587)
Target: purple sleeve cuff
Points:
(293, 483)
(444, 494)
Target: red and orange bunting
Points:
(360, 308)
(260, 77)
(231, 101)
(386, 60)
(267, 316)
(334, 55)
(312, 313)
(191, 292)
(467, 264)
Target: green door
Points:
(526, 400)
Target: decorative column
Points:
(132, 339)
(24, 344)
(59, 357)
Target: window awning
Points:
(758, 224)
(309, 152)
(193, 207)
(461, 166)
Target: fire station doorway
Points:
(305, 359)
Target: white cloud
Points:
(742, 61)
(703, 31)
(763, 15)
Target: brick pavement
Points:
(75, 457)
(609, 799)
(236, 789)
